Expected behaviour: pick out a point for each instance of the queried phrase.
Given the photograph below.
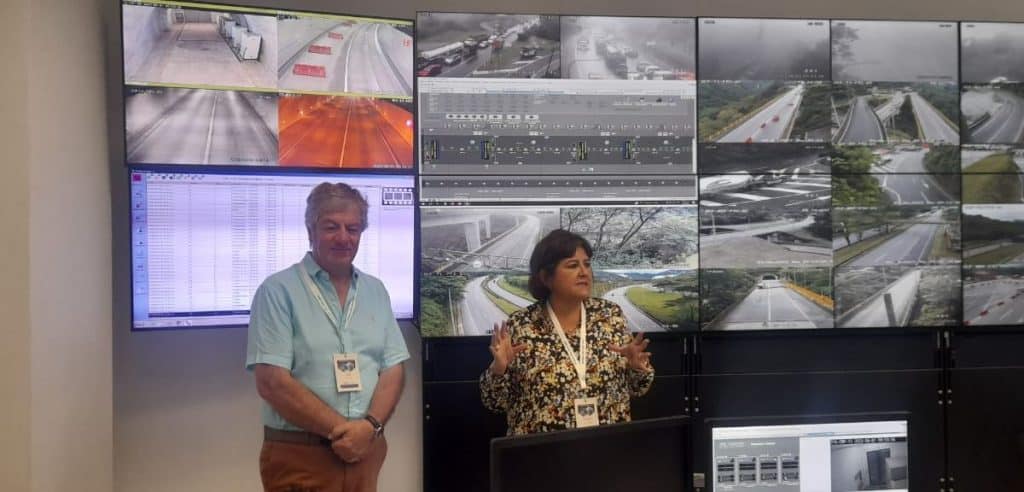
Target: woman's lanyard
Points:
(579, 363)
(318, 295)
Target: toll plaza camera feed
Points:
(345, 55)
(475, 263)
(633, 48)
(166, 125)
(345, 132)
(487, 45)
(764, 49)
(176, 45)
(994, 295)
(897, 295)
(764, 111)
(894, 51)
(786, 158)
(990, 52)
(881, 112)
(766, 298)
(992, 113)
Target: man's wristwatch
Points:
(378, 428)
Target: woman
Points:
(544, 375)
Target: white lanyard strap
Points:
(318, 296)
(579, 363)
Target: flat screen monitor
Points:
(203, 242)
(648, 455)
(837, 453)
(220, 85)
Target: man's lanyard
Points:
(318, 295)
(579, 363)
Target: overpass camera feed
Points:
(764, 49)
(629, 48)
(198, 46)
(165, 125)
(895, 81)
(344, 55)
(345, 132)
(474, 263)
(487, 45)
(897, 295)
(990, 52)
(994, 295)
(766, 298)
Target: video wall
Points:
(791, 174)
(786, 174)
(232, 115)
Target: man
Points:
(327, 356)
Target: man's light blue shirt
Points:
(288, 328)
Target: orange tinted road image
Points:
(352, 132)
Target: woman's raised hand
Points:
(502, 349)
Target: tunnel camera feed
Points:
(475, 263)
(995, 159)
(165, 125)
(345, 55)
(629, 48)
(894, 51)
(765, 298)
(990, 52)
(345, 132)
(764, 49)
(993, 234)
(227, 47)
(783, 158)
(487, 45)
(765, 237)
(833, 455)
(897, 295)
(535, 127)
(881, 112)
(896, 235)
(764, 111)
(992, 113)
(994, 295)
(869, 463)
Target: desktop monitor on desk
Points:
(648, 455)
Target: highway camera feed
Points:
(896, 235)
(766, 298)
(989, 52)
(633, 48)
(992, 113)
(897, 295)
(345, 132)
(994, 295)
(345, 55)
(487, 45)
(761, 237)
(764, 49)
(894, 51)
(880, 112)
(764, 111)
(475, 263)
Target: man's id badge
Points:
(586, 412)
(346, 373)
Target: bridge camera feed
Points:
(510, 126)
(764, 49)
(990, 52)
(895, 81)
(766, 298)
(177, 45)
(765, 237)
(897, 295)
(632, 48)
(345, 132)
(487, 45)
(345, 55)
(475, 263)
(166, 125)
(994, 295)
(996, 159)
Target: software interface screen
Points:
(203, 243)
(830, 457)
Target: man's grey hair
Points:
(334, 197)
